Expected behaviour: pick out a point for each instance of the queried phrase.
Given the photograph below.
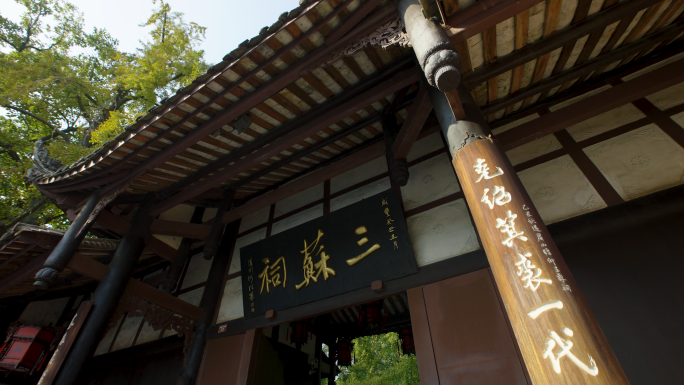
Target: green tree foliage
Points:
(75, 90)
(379, 361)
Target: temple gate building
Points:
(499, 182)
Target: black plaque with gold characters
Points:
(337, 253)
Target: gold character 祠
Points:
(271, 274)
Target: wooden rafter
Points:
(607, 100)
(250, 100)
(586, 68)
(298, 134)
(530, 52)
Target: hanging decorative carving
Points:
(42, 163)
(158, 317)
(385, 36)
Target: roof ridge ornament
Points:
(388, 34)
(42, 162)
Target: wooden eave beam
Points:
(120, 226)
(302, 132)
(586, 68)
(27, 270)
(568, 35)
(93, 269)
(607, 100)
(482, 15)
(414, 122)
(312, 179)
(321, 174)
(180, 229)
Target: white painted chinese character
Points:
(567, 288)
(482, 170)
(531, 221)
(546, 251)
(548, 306)
(539, 238)
(526, 272)
(501, 197)
(524, 207)
(565, 347)
(535, 228)
(507, 226)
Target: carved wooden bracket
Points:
(158, 317)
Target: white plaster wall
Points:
(180, 213)
(639, 162)
(127, 333)
(299, 200)
(106, 341)
(605, 122)
(242, 242)
(43, 313)
(360, 193)
(428, 181)
(441, 233)
(193, 297)
(254, 219)
(359, 174)
(669, 97)
(209, 213)
(231, 303)
(533, 149)
(297, 219)
(678, 118)
(198, 271)
(559, 190)
(147, 334)
(428, 144)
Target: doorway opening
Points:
(370, 343)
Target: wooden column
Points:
(559, 338)
(106, 296)
(210, 298)
(217, 226)
(176, 268)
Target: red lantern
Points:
(300, 330)
(343, 352)
(406, 336)
(372, 316)
(26, 349)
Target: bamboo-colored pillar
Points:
(558, 336)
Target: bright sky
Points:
(228, 22)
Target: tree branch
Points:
(38, 118)
(31, 114)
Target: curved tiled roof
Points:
(277, 78)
